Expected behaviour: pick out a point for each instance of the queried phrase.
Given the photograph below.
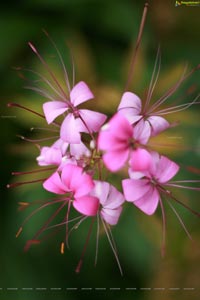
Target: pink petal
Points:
(49, 156)
(77, 181)
(128, 114)
(115, 160)
(54, 184)
(109, 141)
(60, 144)
(166, 170)
(141, 160)
(69, 130)
(111, 216)
(101, 190)
(114, 199)
(142, 132)
(93, 120)
(135, 174)
(79, 150)
(158, 124)
(66, 160)
(87, 205)
(115, 134)
(80, 93)
(135, 189)
(53, 109)
(132, 101)
(120, 126)
(148, 202)
(107, 194)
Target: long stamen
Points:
(184, 187)
(78, 268)
(44, 129)
(193, 169)
(112, 247)
(152, 85)
(37, 140)
(169, 194)
(177, 108)
(16, 184)
(40, 91)
(12, 104)
(61, 59)
(50, 219)
(44, 79)
(67, 228)
(48, 69)
(180, 220)
(97, 241)
(131, 71)
(163, 248)
(173, 88)
(35, 211)
(31, 172)
(64, 223)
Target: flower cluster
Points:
(87, 144)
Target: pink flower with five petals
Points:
(110, 199)
(131, 107)
(78, 184)
(77, 120)
(120, 141)
(144, 189)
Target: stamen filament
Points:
(130, 75)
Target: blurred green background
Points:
(101, 35)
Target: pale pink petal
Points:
(155, 162)
(111, 216)
(49, 156)
(107, 194)
(166, 170)
(53, 109)
(101, 190)
(80, 93)
(79, 150)
(135, 189)
(60, 144)
(86, 205)
(135, 174)
(131, 100)
(148, 202)
(92, 120)
(69, 131)
(114, 199)
(54, 184)
(66, 160)
(141, 160)
(115, 160)
(142, 132)
(128, 114)
(158, 124)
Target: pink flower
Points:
(78, 184)
(144, 189)
(131, 107)
(61, 153)
(120, 140)
(77, 120)
(111, 201)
